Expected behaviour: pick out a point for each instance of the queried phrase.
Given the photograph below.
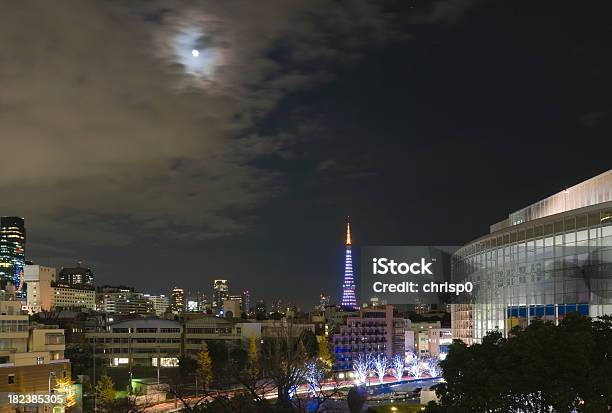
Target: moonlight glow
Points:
(194, 51)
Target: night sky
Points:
(171, 143)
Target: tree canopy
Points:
(542, 367)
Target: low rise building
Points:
(440, 340)
(273, 329)
(421, 336)
(31, 355)
(209, 327)
(139, 342)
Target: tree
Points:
(362, 366)
(432, 366)
(380, 367)
(284, 359)
(415, 367)
(542, 367)
(204, 369)
(217, 349)
(398, 363)
(187, 367)
(239, 358)
(324, 352)
(311, 345)
(66, 388)
(105, 392)
(253, 358)
(314, 375)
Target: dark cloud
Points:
(114, 137)
(593, 118)
(96, 98)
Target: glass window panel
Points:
(548, 229)
(594, 219)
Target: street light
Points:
(51, 374)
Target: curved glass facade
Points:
(544, 268)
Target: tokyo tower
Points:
(349, 299)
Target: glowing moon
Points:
(192, 48)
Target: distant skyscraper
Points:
(220, 293)
(177, 305)
(323, 301)
(12, 251)
(204, 305)
(348, 285)
(260, 310)
(246, 301)
(76, 275)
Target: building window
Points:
(40, 360)
(11, 379)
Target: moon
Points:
(192, 48)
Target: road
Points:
(172, 406)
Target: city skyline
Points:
(423, 121)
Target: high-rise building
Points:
(124, 302)
(76, 275)
(348, 285)
(160, 303)
(373, 330)
(12, 251)
(260, 310)
(220, 293)
(246, 301)
(203, 304)
(177, 305)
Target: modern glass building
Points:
(545, 261)
(12, 251)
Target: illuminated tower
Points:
(349, 299)
(12, 251)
